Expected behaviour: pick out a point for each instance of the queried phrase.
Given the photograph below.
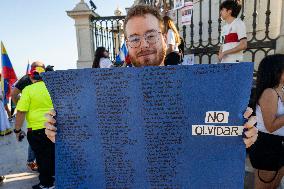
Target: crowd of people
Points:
(153, 40)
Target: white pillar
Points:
(280, 40)
(82, 15)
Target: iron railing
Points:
(210, 46)
(108, 31)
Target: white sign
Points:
(217, 130)
(173, 15)
(186, 13)
(188, 59)
(178, 4)
(217, 117)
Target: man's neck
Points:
(230, 20)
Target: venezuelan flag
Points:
(8, 74)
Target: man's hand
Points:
(251, 132)
(221, 55)
(20, 136)
(50, 129)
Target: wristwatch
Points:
(17, 131)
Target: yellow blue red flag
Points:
(8, 74)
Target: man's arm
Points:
(220, 56)
(242, 46)
(15, 95)
(20, 118)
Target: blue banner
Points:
(175, 127)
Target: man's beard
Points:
(157, 61)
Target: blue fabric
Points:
(132, 127)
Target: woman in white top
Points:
(5, 127)
(102, 58)
(173, 40)
(267, 154)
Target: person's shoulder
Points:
(239, 21)
(25, 79)
(269, 93)
(35, 86)
(105, 60)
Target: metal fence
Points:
(202, 36)
(108, 32)
(259, 39)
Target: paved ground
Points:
(13, 157)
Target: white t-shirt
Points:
(260, 122)
(230, 38)
(105, 63)
(171, 40)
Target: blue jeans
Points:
(31, 155)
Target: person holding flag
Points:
(9, 78)
(5, 127)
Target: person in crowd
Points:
(181, 48)
(102, 58)
(34, 103)
(267, 155)
(173, 41)
(145, 38)
(2, 178)
(8, 111)
(5, 127)
(49, 68)
(16, 91)
(233, 34)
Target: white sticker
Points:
(217, 117)
(217, 130)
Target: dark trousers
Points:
(44, 151)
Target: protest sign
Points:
(151, 127)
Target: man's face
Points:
(225, 13)
(149, 52)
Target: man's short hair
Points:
(37, 64)
(142, 10)
(233, 5)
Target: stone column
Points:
(83, 15)
(280, 40)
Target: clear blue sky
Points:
(41, 30)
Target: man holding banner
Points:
(146, 42)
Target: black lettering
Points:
(196, 130)
(210, 129)
(226, 131)
(210, 116)
(222, 117)
(234, 129)
(219, 130)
